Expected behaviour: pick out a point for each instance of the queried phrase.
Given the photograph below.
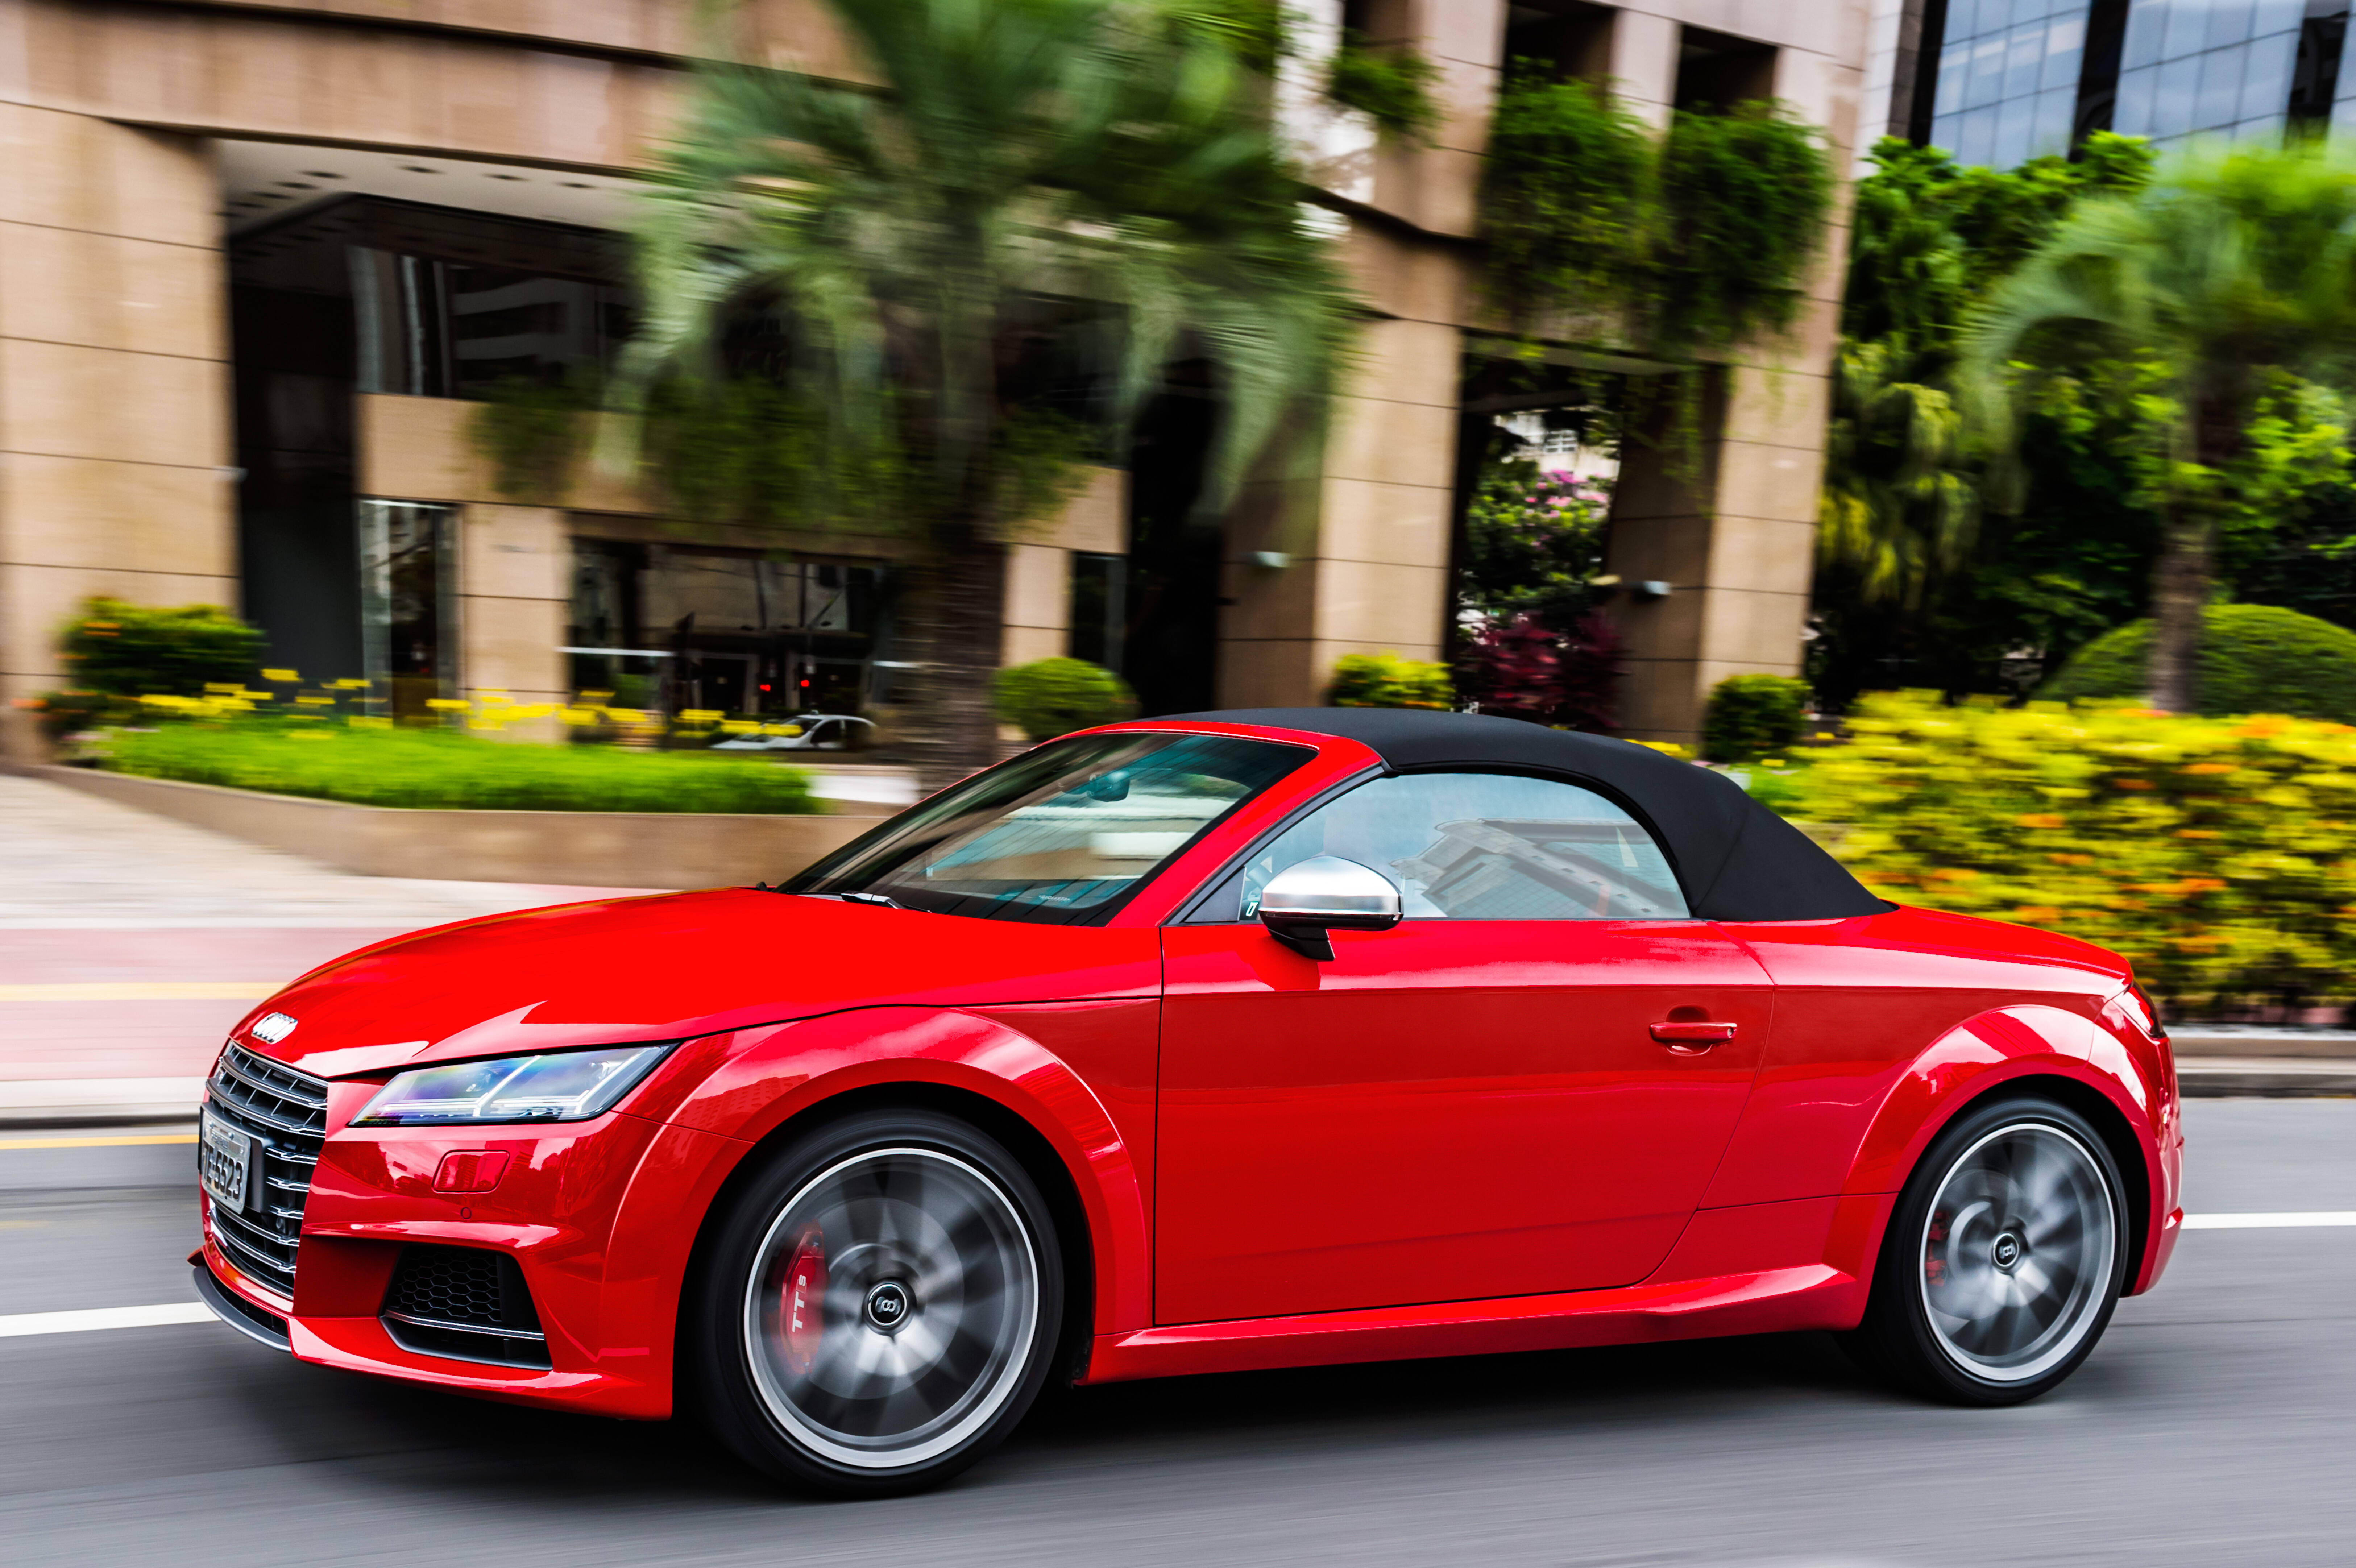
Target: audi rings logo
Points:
(887, 1305)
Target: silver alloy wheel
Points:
(890, 1307)
(2017, 1253)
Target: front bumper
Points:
(600, 1217)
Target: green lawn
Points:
(444, 769)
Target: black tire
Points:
(924, 1265)
(2004, 1260)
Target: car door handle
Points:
(1693, 1036)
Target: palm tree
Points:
(2232, 270)
(1001, 169)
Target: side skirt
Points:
(1828, 1293)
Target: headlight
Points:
(563, 1086)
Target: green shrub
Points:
(1743, 196)
(1565, 198)
(1055, 696)
(1387, 680)
(138, 650)
(442, 769)
(1391, 86)
(1751, 716)
(2254, 659)
(1697, 238)
(2219, 855)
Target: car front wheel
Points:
(2004, 1257)
(878, 1307)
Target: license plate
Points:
(225, 1162)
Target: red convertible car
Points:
(1238, 1040)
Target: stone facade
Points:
(116, 386)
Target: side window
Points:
(1479, 846)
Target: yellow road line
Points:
(95, 1143)
(144, 991)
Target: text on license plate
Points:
(225, 1159)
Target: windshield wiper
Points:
(881, 900)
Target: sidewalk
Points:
(129, 945)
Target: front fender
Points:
(766, 1076)
(2003, 1046)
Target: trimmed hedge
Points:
(2219, 855)
(1387, 680)
(2254, 659)
(1751, 716)
(117, 652)
(138, 650)
(1049, 697)
(442, 769)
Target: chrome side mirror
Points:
(1326, 893)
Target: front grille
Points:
(286, 1113)
(466, 1302)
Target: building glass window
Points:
(2315, 74)
(1717, 72)
(409, 625)
(1565, 37)
(447, 303)
(430, 326)
(2009, 75)
(2191, 68)
(677, 628)
(1099, 608)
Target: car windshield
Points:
(1060, 834)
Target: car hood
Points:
(672, 966)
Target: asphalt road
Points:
(2215, 1424)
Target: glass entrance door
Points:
(408, 603)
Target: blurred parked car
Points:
(811, 732)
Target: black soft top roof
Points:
(1735, 859)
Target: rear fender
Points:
(2011, 1045)
(772, 1074)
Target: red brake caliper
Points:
(803, 1310)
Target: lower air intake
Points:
(465, 1303)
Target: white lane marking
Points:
(104, 1317)
(2270, 1222)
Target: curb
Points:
(2274, 1078)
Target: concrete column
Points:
(113, 385)
(1036, 622)
(514, 586)
(1038, 614)
(1737, 540)
(1368, 573)
(1734, 541)
(1643, 67)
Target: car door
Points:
(1470, 1104)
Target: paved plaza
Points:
(130, 943)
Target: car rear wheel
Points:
(878, 1307)
(2004, 1260)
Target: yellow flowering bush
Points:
(2217, 855)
